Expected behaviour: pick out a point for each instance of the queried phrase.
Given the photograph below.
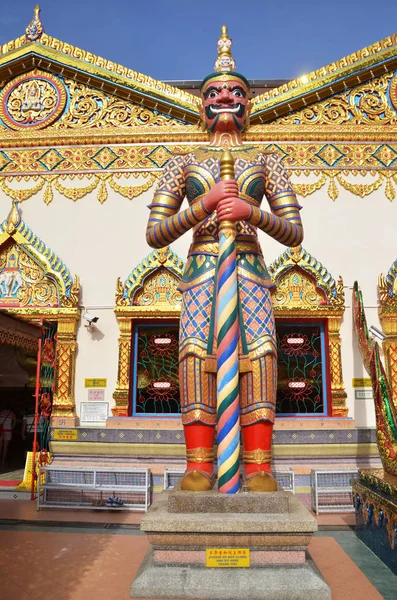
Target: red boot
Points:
(199, 440)
(257, 455)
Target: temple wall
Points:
(351, 236)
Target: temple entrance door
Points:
(18, 378)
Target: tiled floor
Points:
(366, 561)
(12, 475)
(74, 562)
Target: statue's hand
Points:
(233, 209)
(220, 191)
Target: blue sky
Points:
(176, 39)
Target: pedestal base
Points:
(276, 528)
(291, 582)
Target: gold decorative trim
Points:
(200, 455)
(98, 182)
(102, 181)
(89, 108)
(305, 289)
(265, 135)
(306, 157)
(387, 295)
(257, 457)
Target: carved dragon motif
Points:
(385, 409)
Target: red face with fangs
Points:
(225, 105)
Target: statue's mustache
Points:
(213, 110)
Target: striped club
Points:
(228, 410)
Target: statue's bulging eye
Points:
(237, 93)
(213, 94)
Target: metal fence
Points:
(91, 487)
(332, 490)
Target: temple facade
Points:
(83, 142)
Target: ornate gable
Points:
(304, 284)
(367, 66)
(31, 274)
(37, 100)
(153, 283)
(371, 103)
(52, 78)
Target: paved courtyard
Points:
(76, 555)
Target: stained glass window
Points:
(155, 389)
(302, 374)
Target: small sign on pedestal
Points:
(227, 557)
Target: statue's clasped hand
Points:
(233, 209)
(221, 191)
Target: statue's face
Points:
(225, 104)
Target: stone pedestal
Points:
(275, 527)
(375, 501)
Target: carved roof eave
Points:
(52, 55)
(22, 235)
(258, 134)
(299, 257)
(334, 78)
(105, 136)
(147, 312)
(36, 314)
(166, 258)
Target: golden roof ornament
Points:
(13, 218)
(225, 60)
(35, 28)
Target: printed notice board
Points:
(92, 412)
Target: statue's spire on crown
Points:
(35, 28)
(225, 60)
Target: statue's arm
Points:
(166, 222)
(283, 223)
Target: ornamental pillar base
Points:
(273, 529)
(375, 502)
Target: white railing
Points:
(332, 490)
(94, 488)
